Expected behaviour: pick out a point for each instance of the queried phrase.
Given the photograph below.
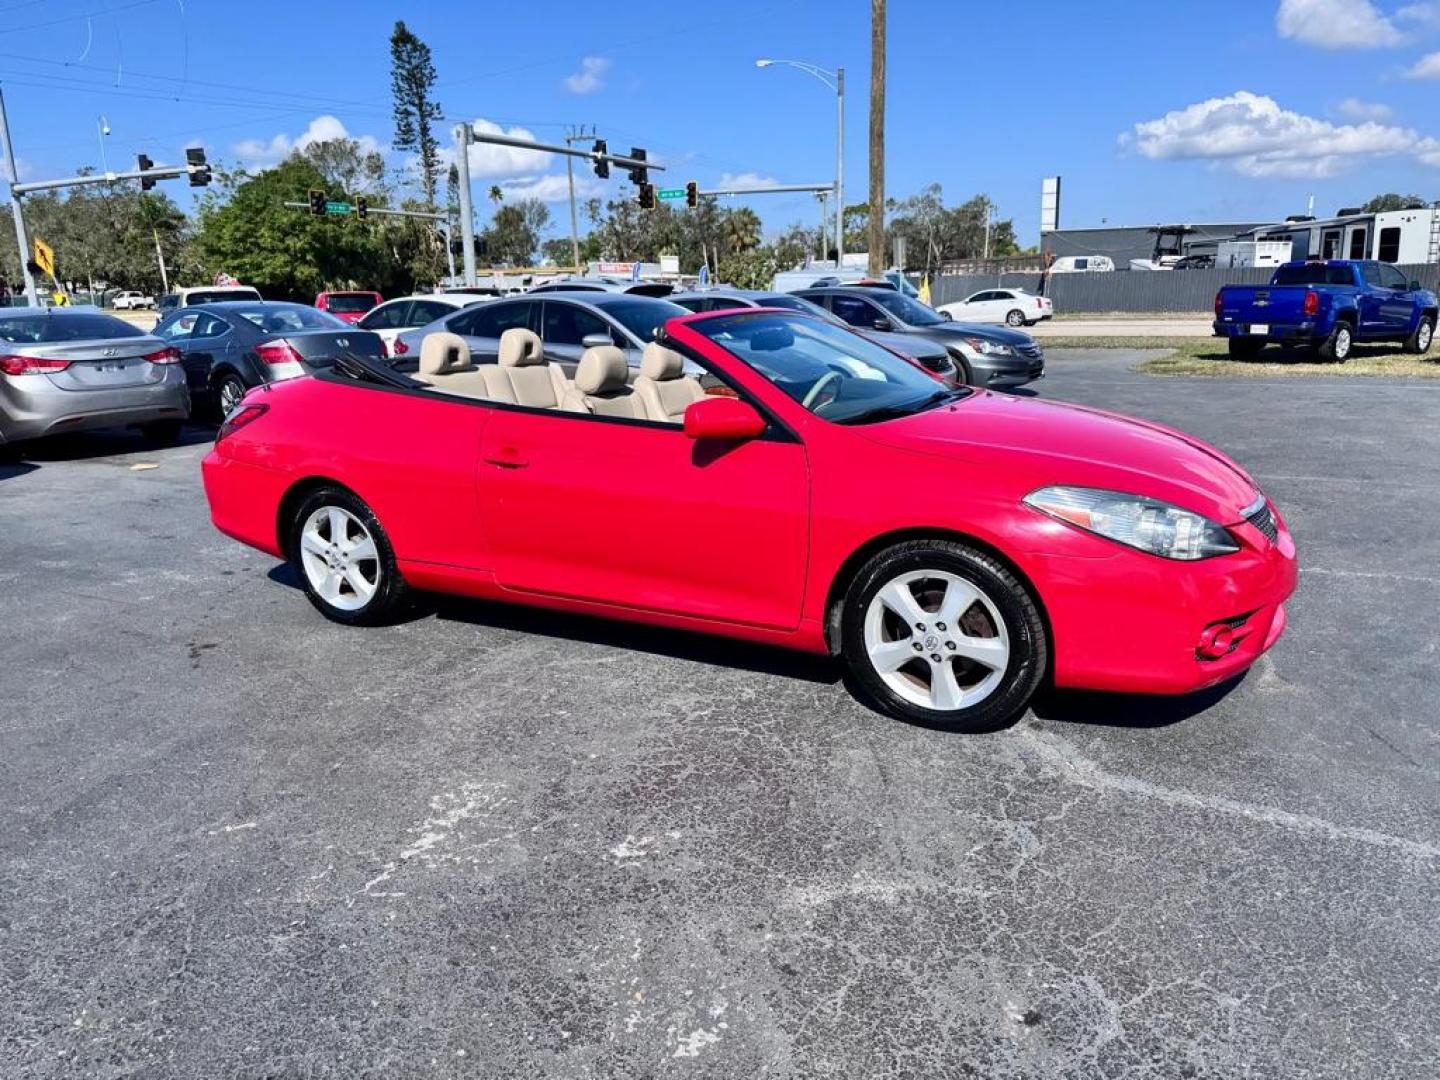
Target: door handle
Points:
(507, 457)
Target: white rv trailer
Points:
(1230, 254)
(1396, 236)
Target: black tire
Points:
(1015, 318)
(1029, 650)
(963, 374)
(162, 432)
(1423, 337)
(1245, 348)
(1337, 347)
(391, 593)
(229, 389)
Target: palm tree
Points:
(740, 230)
(877, 136)
(496, 195)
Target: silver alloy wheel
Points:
(340, 559)
(1015, 318)
(937, 640)
(232, 392)
(1342, 342)
(1424, 336)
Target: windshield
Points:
(905, 309)
(799, 303)
(1314, 274)
(351, 303)
(829, 370)
(283, 318)
(643, 317)
(31, 329)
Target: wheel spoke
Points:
(338, 522)
(945, 692)
(329, 586)
(363, 548)
(364, 588)
(959, 595)
(311, 541)
(990, 651)
(890, 655)
(898, 598)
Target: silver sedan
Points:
(64, 370)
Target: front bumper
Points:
(999, 372)
(1145, 634)
(32, 407)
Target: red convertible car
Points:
(811, 489)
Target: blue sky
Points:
(1178, 111)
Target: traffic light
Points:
(362, 207)
(200, 170)
(602, 167)
(145, 164)
(317, 202)
(638, 173)
(647, 196)
(692, 194)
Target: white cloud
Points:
(487, 159)
(259, 154)
(1336, 24)
(1252, 135)
(1427, 67)
(550, 189)
(746, 179)
(1426, 14)
(590, 77)
(1355, 109)
(23, 169)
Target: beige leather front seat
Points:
(523, 377)
(446, 365)
(663, 387)
(601, 385)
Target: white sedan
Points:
(394, 317)
(1014, 307)
(131, 301)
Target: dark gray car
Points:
(568, 323)
(928, 354)
(993, 356)
(75, 369)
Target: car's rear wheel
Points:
(1423, 336)
(938, 633)
(1245, 348)
(1015, 318)
(1336, 348)
(229, 392)
(344, 559)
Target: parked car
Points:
(568, 323)
(393, 317)
(826, 456)
(76, 369)
(606, 284)
(1013, 307)
(205, 294)
(1327, 306)
(227, 348)
(992, 356)
(821, 277)
(929, 355)
(130, 300)
(348, 307)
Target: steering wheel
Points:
(820, 384)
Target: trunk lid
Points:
(1281, 304)
(318, 348)
(103, 364)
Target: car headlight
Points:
(1147, 524)
(988, 348)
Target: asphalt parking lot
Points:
(241, 841)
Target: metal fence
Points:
(1131, 290)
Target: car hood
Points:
(1040, 443)
(906, 344)
(1002, 334)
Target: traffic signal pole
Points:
(22, 240)
(463, 132)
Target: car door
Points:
(992, 307)
(563, 329)
(858, 312)
(634, 514)
(482, 325)
(175, 331)
(388, 320)
(209, 343)
(1370, 302)
(1397, 301)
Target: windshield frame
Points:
(904, 308)
(630, 303)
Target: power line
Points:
(77, 15)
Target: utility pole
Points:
(22, 241)
(574, 137)
(467, 209)
(824, 197)
(877, 137)
(160, 258)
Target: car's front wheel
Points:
(344, 559)
(938, 633)
(1423, 336)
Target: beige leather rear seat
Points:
(601, 385)
(663, 387)
(445, 364)
(523, 377)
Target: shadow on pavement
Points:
(1128, 710)
(9, 470)
(88, 445)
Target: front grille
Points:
(1264, 520)
(1031, 351)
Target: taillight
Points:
(164, 356)
(1312, 302)
(1219, 307)
(31, 365)
(1039, 303)
(278, 352)
(399, 348)
(244, 416)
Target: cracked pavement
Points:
(241, 841)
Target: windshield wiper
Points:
(909, 408)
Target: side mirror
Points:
(723, 418)
(882, 324)
(596, 341)
(946, 316)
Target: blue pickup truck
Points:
(1327, 306)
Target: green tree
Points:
(347, 168)
(1382, 204)
(751, 269)
(740, 230)
(514, 232)
(412, 79)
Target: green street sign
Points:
(671, 193)
(338, 208)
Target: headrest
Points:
(520, 348)
(660, 363)
(443, 354)
(602, 370)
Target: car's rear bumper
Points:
(1147, 635)
(1276, 332)
(245, 500)
(31, 407)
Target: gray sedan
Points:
(76, 369)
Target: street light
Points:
(835, 80)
